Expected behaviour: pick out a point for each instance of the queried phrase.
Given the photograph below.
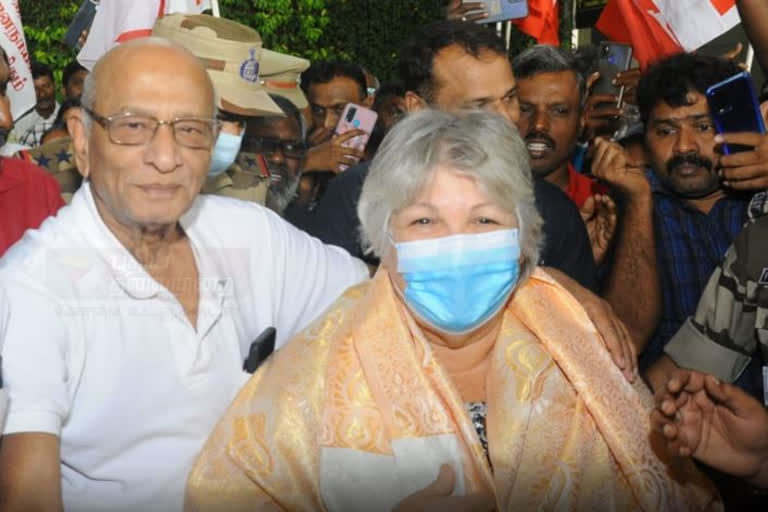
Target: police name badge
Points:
(249, 69)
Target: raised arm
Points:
(30, 473)
(632, 288)
(754, 19)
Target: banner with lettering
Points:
(21, 89)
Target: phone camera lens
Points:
(351, 114)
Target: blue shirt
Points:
(689, 245)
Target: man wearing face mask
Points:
(231, 53)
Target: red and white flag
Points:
(656, 28)
(21, 89)
(542, 21)
(118, 21)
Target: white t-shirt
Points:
(97, 352)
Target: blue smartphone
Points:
(734, 108)
(502, 10)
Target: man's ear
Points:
(368, 101)
(76, 129)
(414, 102)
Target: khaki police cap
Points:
(231, 53)
(281, 75)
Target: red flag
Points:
(542, 21)
(657, 28)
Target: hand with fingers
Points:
(465, 11)
(612, 330)
(333, 153)
(437, 497)
(716, 423)
(599, 215)
(600, 116)
(629, 80)
(745, 170)
(611, 164)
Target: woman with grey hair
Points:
(461, 377)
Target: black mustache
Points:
(689, 158)
(540, 136)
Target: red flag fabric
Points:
(656, 28)
(542, 21)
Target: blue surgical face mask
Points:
(224, 152)
(457, 283)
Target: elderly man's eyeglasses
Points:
(266, 146)
(134, 130)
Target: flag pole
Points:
(215, 8)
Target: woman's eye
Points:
(423, 221)
(486, 220)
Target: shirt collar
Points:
(129, 273)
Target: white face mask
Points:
(224, 152)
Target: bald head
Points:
(134, 59)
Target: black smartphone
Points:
(612, 59)
(82, 21)
(734, 108)
(260, 349)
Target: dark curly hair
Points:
(671, 79)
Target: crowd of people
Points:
(517, 296)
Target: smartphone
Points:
(502, 10)
(734, 108)
(355, 117)
(82, 21)
(612, 59)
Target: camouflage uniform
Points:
(246, 179)
(58, 158)
(731, 321)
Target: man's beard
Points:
(697, 160)
(282, 188)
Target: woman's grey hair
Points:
(476, 143)
(88, 97)
(545, 58)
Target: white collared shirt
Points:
(97, 352)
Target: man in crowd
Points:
(218, 41)
(696, 214)
(453, 64)
(280, 140)
(730, 326)
(30, 127)
(28, 195)
(329, 87)
(72, 80)
(552, 95)
(127, 317)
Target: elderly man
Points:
(129, 315)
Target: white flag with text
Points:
(21, 89)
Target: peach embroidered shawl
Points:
(355, 414)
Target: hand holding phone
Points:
(734, 109)
(502, 10)
(613, 58)
(356, 117)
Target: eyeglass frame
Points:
(106, 122)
